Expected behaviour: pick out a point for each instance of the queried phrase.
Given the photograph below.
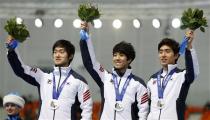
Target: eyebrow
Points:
(61, 49)
(165, 49)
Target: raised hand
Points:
(190, 35)
(11, 43)
(84, 33)
(85, 26)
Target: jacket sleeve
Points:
(94, 68)
(85, 99)
(149, 92)
(192, 66)
(29, 74)
(143, 104)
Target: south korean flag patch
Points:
(33, 69)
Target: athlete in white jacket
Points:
(123, 94)
(168, 88)
(60, 89)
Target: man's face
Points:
(12, 109)
(60, 57)
(167, 56)
(120, 61)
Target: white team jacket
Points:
(75, 88)
(136, 91)
(176, 91)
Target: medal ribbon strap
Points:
(56, 94)
(162, 87)
(119, 96)
(183, 45)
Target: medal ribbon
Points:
(56, 94)
(119, 96)
(164, 83)
(183, 45)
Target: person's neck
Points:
(60, 66)
(165, 68)
(120, 72)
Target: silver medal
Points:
(160, 104)
(119, 106)
(54, 104)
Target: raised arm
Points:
(94, 68)
(191, 61)
(29, 74)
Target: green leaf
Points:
(200, 14)
(202, 29)
(194, 13)
(189, 12)
(183, 27)
(185, 20)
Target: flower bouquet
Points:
(88, 12)
(17, 31)
(193, 19)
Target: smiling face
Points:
(60, 57)
(167, 56)
(123, 54)
(120, 61)
(63, 53)
(12, 109)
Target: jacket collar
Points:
(13, 117)
(126, 74)
(170, 67)
(64, 70)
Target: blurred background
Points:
(142, 22)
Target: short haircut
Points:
(67, 45)
(125, 48)
(170, 43)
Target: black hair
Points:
(67, 45)
(125, 48)
(174, 45)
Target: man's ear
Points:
(176, 56)
(71, 57)
(129, 61)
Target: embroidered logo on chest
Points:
(68, 83)
(49, 81)
(154, 82)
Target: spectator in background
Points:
(13, 103)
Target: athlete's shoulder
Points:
(78, 76)
(139, 79)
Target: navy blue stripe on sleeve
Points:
(88, 63)
(189, 76)
(18, 69)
